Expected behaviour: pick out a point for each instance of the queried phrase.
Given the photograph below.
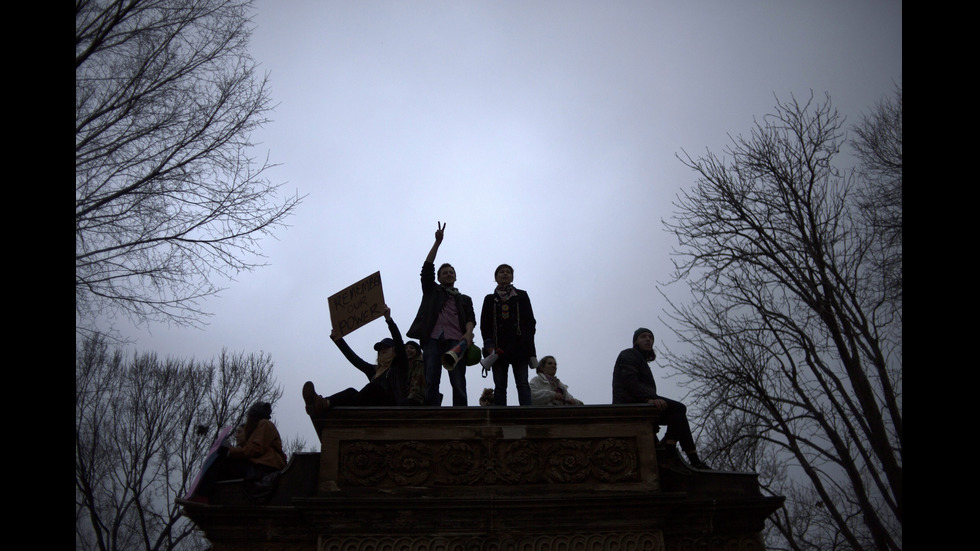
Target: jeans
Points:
(500, 368)
(432, 354)
(373, 394)
(678, 428)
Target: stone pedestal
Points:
(488, 479)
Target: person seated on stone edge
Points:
(258, 455)
(633, 384)
(547, 389)
(387, 380)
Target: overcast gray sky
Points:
(543, 133)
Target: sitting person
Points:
(387, 384)
(633, 384)
(546, 389)
(252, 459)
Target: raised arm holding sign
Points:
(387, 379)
(357, 305)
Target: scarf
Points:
(506, 293)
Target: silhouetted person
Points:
(507, 325)
(387, 383)
(259, 455)
(444, 318)
(633, 384)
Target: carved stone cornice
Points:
(490, 461)
(587, 478)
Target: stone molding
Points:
(493, 461)
(637, 541)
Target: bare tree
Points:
(142, 429)
(879, 147)
(168, 199)
(793, 347)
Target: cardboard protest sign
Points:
(357, 305)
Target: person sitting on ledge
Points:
(633, 384)
(257, 454)
(387, 380)
(547, 389)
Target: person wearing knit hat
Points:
(633, 383)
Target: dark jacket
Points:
(513, 333)
(434, 297)
(395, 379)
(632, 378)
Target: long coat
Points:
(515, 335)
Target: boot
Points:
(316, 405)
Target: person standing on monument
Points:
(444, 318)
(507, 325)
(633, 384)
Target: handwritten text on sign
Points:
(357, 305)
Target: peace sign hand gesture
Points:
(439, 232)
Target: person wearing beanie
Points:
(633, 383)
(387, 380)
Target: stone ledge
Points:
(487, 478)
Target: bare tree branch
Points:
(168, 199)
(795, 345)
(142, 429)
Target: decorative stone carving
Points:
(749, 542)
(632, 541)
(589, 478)
(490, 462)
